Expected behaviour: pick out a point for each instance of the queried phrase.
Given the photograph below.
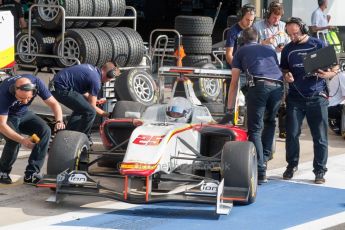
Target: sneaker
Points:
(33, 178)
(288, 174)
(319, 178)
(282, 135)
(262, 179)
(5, 178)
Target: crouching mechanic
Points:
(17, 94)
(77, 88)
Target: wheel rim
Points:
(143, 88)
(71, 49)
(23, 47)
(48, 13)
(211, 87)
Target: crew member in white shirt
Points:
(319, 18)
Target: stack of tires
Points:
(196, 34)
(90, 41)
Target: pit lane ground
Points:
(296, 204)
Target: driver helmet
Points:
(179, 109)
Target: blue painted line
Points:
(279, 205)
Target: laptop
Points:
(323, 59)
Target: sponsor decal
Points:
(209, 187)
(60, 177)
(148, 140)
(77, 179)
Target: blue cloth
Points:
(315, 110)
(292, 60)
(10, 105)
(263, 101)
(28, 124)
(259, 60)
(232, 36)
(82, 78)
(83, 114)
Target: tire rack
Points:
(63, 30)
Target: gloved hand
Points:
(228, 118)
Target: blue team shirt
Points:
(82, 78)
(259, 60)
(10, 105)
(232, 36)
(292, 60)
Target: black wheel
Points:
(80, 44)
(51, 17)
(136, 85)
(208, 89)
(119, 45)
(116, 8)
(136, 46)
(197, 44)
(239, 168)
(104, 46)
(41, 43)
(121, 107)
(100, 9)
(196, 60)
(85, 9)
(194, 25)
(68, 151)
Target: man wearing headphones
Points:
(307, 97)
(77, 88)
(263, 96)
(17, 94)
(246, 19)
(319, 20)
(271, 30)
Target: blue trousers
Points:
(263, 101)
(315, 109)
(27, 124)
(83, 114)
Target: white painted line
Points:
(322, 223)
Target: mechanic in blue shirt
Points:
(77, 88)
(264, 95)
(17, 94)
(307, 97)
(246, 18)
(233, 39)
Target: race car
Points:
(168, 152)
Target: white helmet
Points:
(179, 109)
